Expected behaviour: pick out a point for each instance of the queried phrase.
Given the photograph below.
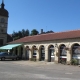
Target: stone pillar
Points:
(24, 53)
(46, 55)
(38, 56)
(56, 56)
(30, 55)
(18, 51)
(68, 57)
(14, 50)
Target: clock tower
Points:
(3, 24)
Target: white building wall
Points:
(67, 42)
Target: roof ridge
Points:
(68, 31)
(47, 36)
(52, 33)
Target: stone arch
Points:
(27, 47)
(27, 53)
(34, 52)
(51, 53)
(16, 50)
(62, 55)
(21, 52)
(42, 52)
(75, 51)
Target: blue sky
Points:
(56, 15)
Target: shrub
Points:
(74, 62)
(33, 59)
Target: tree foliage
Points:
(23, 33)
(20, 34)
(34, 32)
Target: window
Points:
(2, 20)
(2, 30)
(2, 25)
(1, 42)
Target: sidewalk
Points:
(33, 62)
(47, 65)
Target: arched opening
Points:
(1, 42)
(21, 53)
(11, 51)
(34, 52)
(42, 53)
(76, 52)
(27, 53)
(63, 54)
(16, 51)
(51, 53)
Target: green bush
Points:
(74, 62)
(33, 59)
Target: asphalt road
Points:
(25, 70)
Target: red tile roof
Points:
(49, 36)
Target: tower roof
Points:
(2, 4)
(3, 11)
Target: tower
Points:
(3, 24)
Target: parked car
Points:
(5, 55)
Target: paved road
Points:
(26, 70)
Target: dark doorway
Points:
(1, 42)
(63, 54)
(27, 53)
(42, 53)
(51, 53)
(34, 53)
(16, 51)
(76, 52)
(21, 52)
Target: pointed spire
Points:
(2, 5)
(2, 1)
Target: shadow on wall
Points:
(9, 38)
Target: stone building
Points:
(4, 37)
(51, 47)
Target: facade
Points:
(52, 47)
(3, 24)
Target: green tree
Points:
(23, 33)
(27, 33)
(20, 34)
(34, 32)
(15, 35)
